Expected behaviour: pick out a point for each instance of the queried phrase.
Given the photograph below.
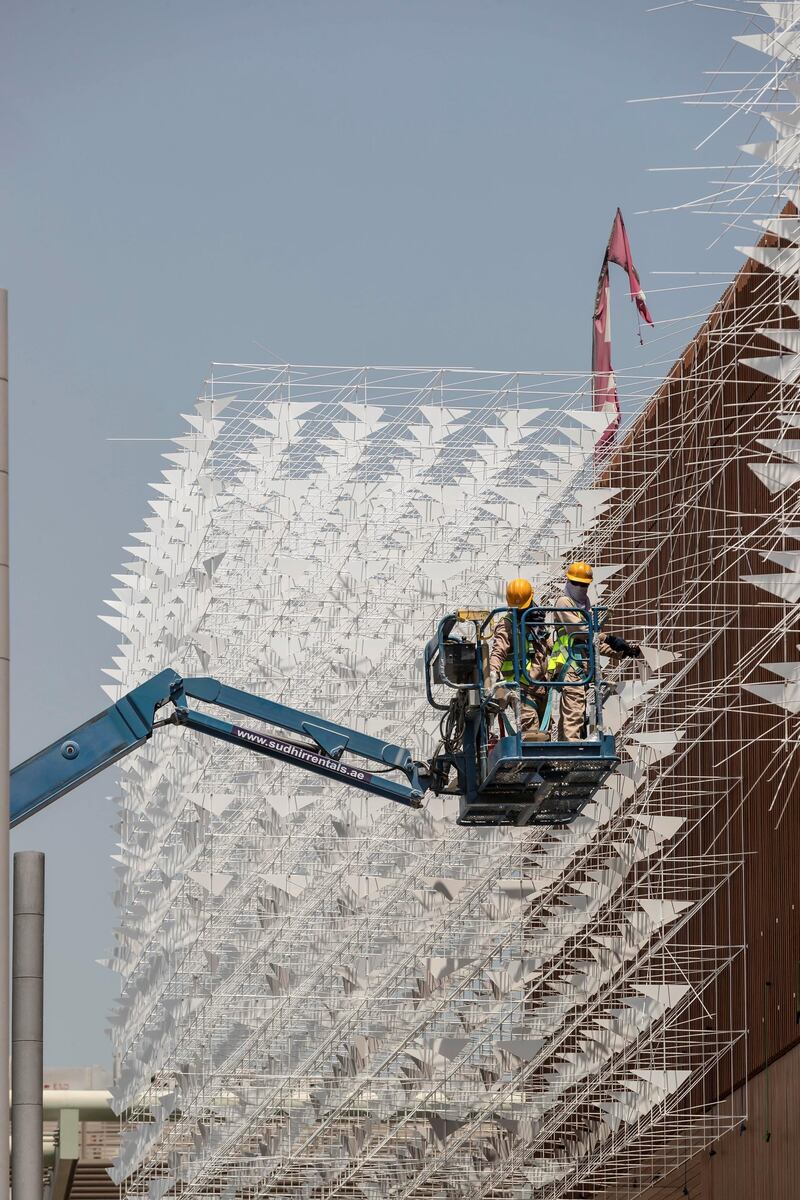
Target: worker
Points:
(568, 658)
(519, 597)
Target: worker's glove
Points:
(499, 694)
(619, 646)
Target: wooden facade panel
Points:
(690, 519)
(746, 1165)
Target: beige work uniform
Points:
(533, 700)
(572, 717)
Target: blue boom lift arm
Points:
(500, 777)
(118, 730)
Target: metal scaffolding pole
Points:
(27, 1021)
(5, 765)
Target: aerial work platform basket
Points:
(504, 777)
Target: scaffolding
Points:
(325, 997)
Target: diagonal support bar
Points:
(306, 757)
(331, 738)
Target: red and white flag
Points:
(604, 387)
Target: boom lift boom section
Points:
(121, 728)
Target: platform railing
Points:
(459, 663)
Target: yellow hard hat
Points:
(519, 593)
(580, 572)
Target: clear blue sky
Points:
(344, 181)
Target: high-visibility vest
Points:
(507, 669)
(568, 647)
(561, 652)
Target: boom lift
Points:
(500, 779)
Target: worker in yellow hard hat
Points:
(567, 658)
(519, 597)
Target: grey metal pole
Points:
(5, 763)
(27, 1024)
